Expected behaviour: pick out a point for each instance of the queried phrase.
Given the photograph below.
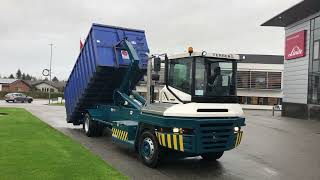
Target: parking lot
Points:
(272, 148)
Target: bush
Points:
(37, 94)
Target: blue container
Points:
(100, 68)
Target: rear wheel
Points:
(149, 149)
(212, 156)
(91, 127)
(30, 101)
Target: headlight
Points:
(236, 129)
(176, 130)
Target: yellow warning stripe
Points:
(119, 134)
(174, 141)
(163, 140)
(238, 138)
(181, 143)
(175, 144)
(169, 140)
(159, 138)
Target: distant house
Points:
(46, 86)
(14, 85)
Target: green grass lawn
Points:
(30, 149)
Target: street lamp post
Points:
(50, 70)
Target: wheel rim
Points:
(147, 148)
(86, 124)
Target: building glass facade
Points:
(259, 80)
(314, 68)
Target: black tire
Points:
(30, 101)
(7, 101)
(89, 126)
(148, 138)
(94, 127)
(212, 156)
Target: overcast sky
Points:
(223, 26)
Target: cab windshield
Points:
(202, 76)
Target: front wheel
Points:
(212, 156)
(30, 101)
(149, 149)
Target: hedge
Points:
(36, 94)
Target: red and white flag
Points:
(81, 44)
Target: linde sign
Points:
(295, 45)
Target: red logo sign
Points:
(296, 45)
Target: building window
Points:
(274, 80)
(243, 79)
(315, 66)
(316, 50)
(314, 70)
(269, 101)
(317, 22)
(259, 79)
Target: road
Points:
(272, 148)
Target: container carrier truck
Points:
(198, 112)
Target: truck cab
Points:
(207, 80)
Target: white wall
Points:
(260, 93)
(46, 86)
(295, 77)
(260, 67)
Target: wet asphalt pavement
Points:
(272, 148)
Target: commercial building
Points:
(259, 80)
(301, 78)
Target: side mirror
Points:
(156, 64)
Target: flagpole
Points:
(50, 70)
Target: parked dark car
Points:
(17, 97)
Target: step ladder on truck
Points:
(198, 112)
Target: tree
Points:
(23, 77)
(55, 79)
(11, 76)
(28, 77)
(18, 74)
